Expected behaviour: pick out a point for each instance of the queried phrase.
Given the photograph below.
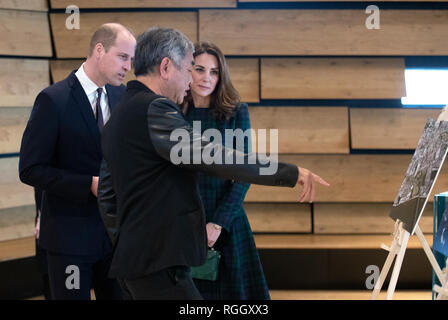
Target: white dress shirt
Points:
(90, 89)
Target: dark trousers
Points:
(173, 283)
(93, 270)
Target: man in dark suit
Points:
(160, 224)
(61, 155)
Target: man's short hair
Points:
(106, 35)
(157, 43)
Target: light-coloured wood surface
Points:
(312, 241)
(279, 217)
(60, 69)
(332, 78)
(75, 43)
(13, 192)
(24, 33)
(24, 247)
(244, 74)
(325, 32)
(352, 178)
(347, 295)
(17, 223)
(17, 249)
(31, 5)
(361, 218)
(21, 80)
(380, 128)
(302, 129)
(59, 4)
(12, 124)
(333, 295)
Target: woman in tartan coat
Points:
(216, 104)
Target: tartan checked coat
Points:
(240, 272)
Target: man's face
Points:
(117, 61)
(180, 79)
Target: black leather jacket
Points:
(165, 192)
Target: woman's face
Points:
(205, 75)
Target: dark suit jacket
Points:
(60, 152)
(160, 218)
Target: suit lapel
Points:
(80, 98)
(114, 96)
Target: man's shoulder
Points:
(60, 90)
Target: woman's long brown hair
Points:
(225, 97)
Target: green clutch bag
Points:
(209, 270)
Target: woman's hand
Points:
(213, 232)
(307, 179)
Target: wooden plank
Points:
(325, 32)
(60, 69)
(347, 294)
(31, 5)
(21, 80)
(361, 218)
(334, 78)
(84, 4)
(75, 43)
(12, 124)
(312, 241)
(24, 33)
(352, 178)
(16, 223)
(379, 128)
(279, 217)
(17, 249)
(13, 192)
(303, 129)
(245, 76)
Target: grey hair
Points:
(157, 43)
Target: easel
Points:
(398, 249)
(442, 290)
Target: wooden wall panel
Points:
(379, 128)
(279, 217)
(31, 5)
(245, 76)
(335, 78)
(75, 43)
(320, 241)
(352, 178)
(304, 129)
(243, 72)
(24, 33)
(60, 4)
(361, 218)
(16, 223)
(325, 32)
(13, 192)
(12, 124)
(21, 80)
(60, 69)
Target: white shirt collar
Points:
(88, 85)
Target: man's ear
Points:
(165, 66)
(98, 50)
